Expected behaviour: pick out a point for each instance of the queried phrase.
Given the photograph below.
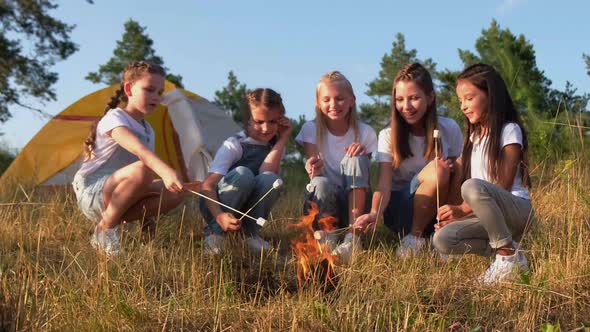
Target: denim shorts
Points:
(399, 212)
(89, 194)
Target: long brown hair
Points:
(321, 124)
(500, 111)
(265, 97)
(400, 129)
(133, 72)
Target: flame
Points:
(312, 255)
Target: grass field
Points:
(51, 279)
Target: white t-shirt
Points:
(333, 148)
(105, 145)
(511, 134)
(451, 139)
(230, 152)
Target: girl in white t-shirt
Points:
(407, 173)
(244, 169)
(496, 206)
(338, 148)
(116, 179)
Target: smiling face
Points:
(264, 123)
(335, 101)
(474, 102)
(145, 94)
(412, 102)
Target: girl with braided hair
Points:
(495, 208)
(407, 188)
(116, 179)
(244, 169)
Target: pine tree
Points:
(135, 45)
(25, 71)
(231, 97)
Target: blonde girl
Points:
(338, 148)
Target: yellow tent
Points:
(188, 131)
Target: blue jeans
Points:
(240, 189)
(332, 198)
(399, 212)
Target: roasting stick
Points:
(436, 135)
(260, 221)
(275, 185)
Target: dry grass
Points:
(51, 279)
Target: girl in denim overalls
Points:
(116, 180)
(338, 148)
(244, 169)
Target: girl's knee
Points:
(241, 177)
(471, 190)
(142, 175)
(356, 162)
(441, 242)
(431, 174)
(266, 179)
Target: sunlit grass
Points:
(51, 278)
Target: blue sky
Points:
(288, 45)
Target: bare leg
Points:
(454, 196)
(356, 203)
(123, 189)
(149, 205)
(425, 198)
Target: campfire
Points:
(315, 262)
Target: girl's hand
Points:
(228, 222)
(173, 181)
(315, 166)
(441, 224)
(366, 222)
(355, 149)
(285, 128)
(449, 213)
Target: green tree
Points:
(135, 45)
(587, 60)
(378, 112)
(231, 97)
(31, 42)
(6, 158)
(514, 58)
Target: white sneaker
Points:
(344, 250)
(213, 244)
(505, 268)
(257, 244)
(410, 245)
(107, 241)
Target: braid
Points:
(133, 71)
(114, 102)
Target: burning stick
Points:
(436, 136)
(260, 221)
(275, 185)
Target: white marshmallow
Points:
(436, 133)
(309, 187)
(277, 184)
(261, 221)
(318, 235)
